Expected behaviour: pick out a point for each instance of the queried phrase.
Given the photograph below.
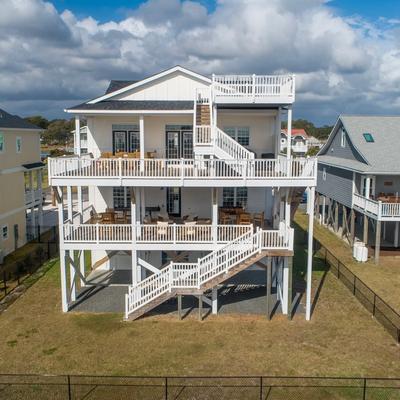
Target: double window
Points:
(121, 197)
(234, 197)
(240, 133)
(4, 232)
(126, 138)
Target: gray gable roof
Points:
(116, 85)
(111, 105)
(14, 122)
(382, 156)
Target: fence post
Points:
(338, 269)
(261, 388)
(364, 388)
(166, 388)
(69, 388)
(5, 282)
(354, 285)
(373, 308)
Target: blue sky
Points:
(51, 59)
(104, 10)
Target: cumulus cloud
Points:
(50, 60)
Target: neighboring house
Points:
(20, 182)
(179, 177)
(82, 139)
(359, 175)
(299, 141)
(314, 142)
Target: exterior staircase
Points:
(208, 271)
(209, 140)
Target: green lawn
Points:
(341, 339)
(384, 278)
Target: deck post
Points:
(40, 191)
(135, 272)
(82, 252)
(336, 225)
(141, 142)
(269, 287)
(365, 230)
(289, 134)
(214, 299)
(396, 234)
(352, 226)
(290, 286)
(214, 203)
(311, 194)
(179, 306)
(323, 209)
(200, 307)
(344, 220)
(77, 135)
(285, 285)
(278, 127)
(377, 241)
(63, 270)
(72, 274)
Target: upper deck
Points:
(253, 89)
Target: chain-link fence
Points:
(383, 312)
(25, 261)
(71, 387)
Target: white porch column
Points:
(72, 274)
(40, 191)
(32, 197)
(142, 205)
(289, 133)
(214, 299)
(133, 214)
(278, 126)
(214, 205)
(310, 201)
(285, 286)
(82, 252)
(69, 203)
(287, 208)
(78, 135)
(367, 186)
(396, 234)
(141, 136)
(63, 271)
(135, 268)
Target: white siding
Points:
(176, 86)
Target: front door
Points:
(174, 201)
(173, 144)
(179, 143)
(120, 143)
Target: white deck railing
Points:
(218, 262)
(252, 87)
(171, 234)
(33, 197)
(379, 209)
(76, 167)
(230, 146)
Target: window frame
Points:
(343, 138)
(123, 197)
(234, 132)
(236, 199)
(6, 236)
(3, 142)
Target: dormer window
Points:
(368, 137)
(343, 138)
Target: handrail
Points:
(219, 261)
(230, 145)
(219, 169)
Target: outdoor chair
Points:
(244, 219)
(258, 219)
(119, 217)
(190, 228)
(162, 229)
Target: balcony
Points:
(257, 89)
(72, 171)
(200, 237)
(378, 209)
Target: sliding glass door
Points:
(126, 141)
(179, 142)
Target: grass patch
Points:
(341, 339)
(382, 278)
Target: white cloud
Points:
(342, 64)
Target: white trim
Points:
(129, 112)
(151, 79)
(12, 212)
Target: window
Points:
(324, 174)
(368, 137)
(234, 197)
(1, 142)
(240, 134)
(343, 138)
(121, 197)
(18, 144)
(4, 232)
